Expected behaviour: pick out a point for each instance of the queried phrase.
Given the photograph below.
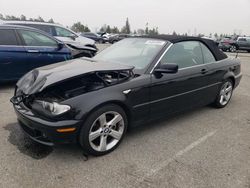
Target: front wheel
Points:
(225, 94)
(103, 130)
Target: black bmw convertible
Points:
(92, 101)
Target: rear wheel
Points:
(103, 130)
(225, 94)
(233, 48)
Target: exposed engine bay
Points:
(83, 84)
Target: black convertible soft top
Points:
(218, 54)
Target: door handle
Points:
(204, 71)
(33, 51)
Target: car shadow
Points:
(7, 85)
(24, 144)
(39, 151)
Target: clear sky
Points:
(183, 16)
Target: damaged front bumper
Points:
(45, 131)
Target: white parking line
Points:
(165, 163)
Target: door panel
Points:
(12, 55)
(177, 92)
(42, 50)
(12, 62)
(242, 42)
(41, 56)
(191, 86)
(138, 98)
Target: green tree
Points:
(153, 31)
(1, 17)
(51, 20)
(216, 35)
(140, 31)
(39, 19)
(9, 17)
(108, 29)
(23, 18)
(79, 27)
(126, 28)
(174, 33)
(146, 29)
(103, 28)
(115, 30)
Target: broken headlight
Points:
(54, 108)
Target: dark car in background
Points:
(23, 49)
(117, 37)
(92, 101)
(225, 44)
(231, 45)
(93, 36)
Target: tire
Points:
(248, 51)
(233, 48)
(101, 41)
(224, 95)
(103, 130)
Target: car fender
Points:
(229, 75)
(88, 104)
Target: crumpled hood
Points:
(79, 46)
(40, 78)
(81, 40)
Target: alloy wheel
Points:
(226, 93)
(106, 131)
(233, 48)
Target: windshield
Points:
(138, 52)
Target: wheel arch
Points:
(121, 104)
(229, 75)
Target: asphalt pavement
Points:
(205, 147)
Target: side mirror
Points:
(60, 45)
(170, 68)
(73, 37)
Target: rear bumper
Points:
(44, 131)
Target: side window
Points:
(46, 28)
(8, 37)
(207, 54)
(61, 32)
(242, 40)
(184, 54)
(36, 39)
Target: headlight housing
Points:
(54, 108)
